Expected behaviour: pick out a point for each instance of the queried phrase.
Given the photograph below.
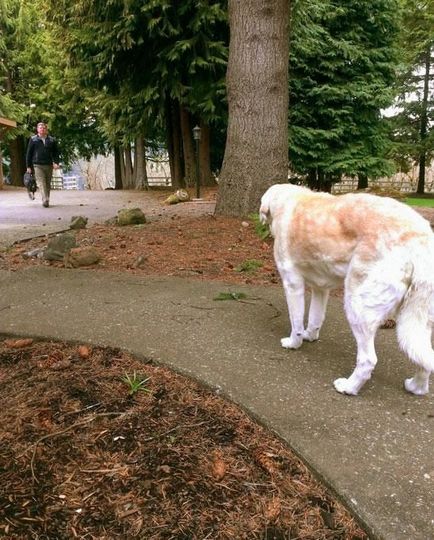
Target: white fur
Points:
(382, 251)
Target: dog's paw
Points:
(291, 342)
(310, 335)
(414, 388)
(344, 387)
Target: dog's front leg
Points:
(294, 292)
(318, 306)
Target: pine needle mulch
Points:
(82, 456)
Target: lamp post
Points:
(196, 137)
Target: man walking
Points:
(43, 156)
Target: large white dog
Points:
(383, 253)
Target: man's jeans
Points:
(43, 175)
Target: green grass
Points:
(250, 265)
(135, 383)
(420, 202)
(261, 229)
(231, 296)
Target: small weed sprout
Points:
(261, 229)
(250, 265)
(231, 296)
(135, 383)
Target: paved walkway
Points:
(375, 450)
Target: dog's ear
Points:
(264, 210)
(264, 214)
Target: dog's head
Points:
(275, 198)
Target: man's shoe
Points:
(46, 204)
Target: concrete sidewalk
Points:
(375, 450)
(22, 218)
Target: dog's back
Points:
(318, 231)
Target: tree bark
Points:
(140, 176)
(1, 167)
(362, 181)
(173, 135)
(424, 123)
(128, 167)
(188, 147)
(17, 152)
(118, 167)
(256, 153)
(206, 177)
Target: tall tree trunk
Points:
(256, 154)
(362, 181)
(140, 176)
(188, 147)
(206, 177)
(312, 179)
(1, 166)
(118, 167)
(424, 123)
(128, 164)
(173, 135)
(17, 152)
(326, 183)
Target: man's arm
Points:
(29, 156)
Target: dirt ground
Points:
(97, 444)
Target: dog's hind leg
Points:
(368, 301)
(366, 360)
(414, 328)
(293, 285)
(318, 306)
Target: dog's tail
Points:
(416, 316)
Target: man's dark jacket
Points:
(39, 153)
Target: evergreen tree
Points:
(143, 60)
(341, 71)
(34, 82)
(411, 126)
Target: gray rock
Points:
(111, 221)
(131, 216)
(78, 222)
(58, 246)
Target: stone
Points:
(131, 216)
(81, 256)
(111, 221)
(78, 222)
(58, 246)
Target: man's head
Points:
(42, 129)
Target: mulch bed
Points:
(83, 457)
(206, 247)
